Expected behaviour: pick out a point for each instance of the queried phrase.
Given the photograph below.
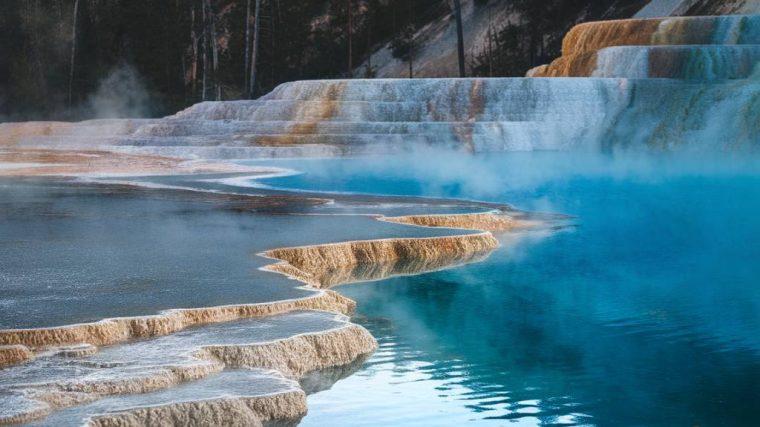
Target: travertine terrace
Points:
(318, 266)
(324, 266)
(699, 48)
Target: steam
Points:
(524, 179)
(121, 94)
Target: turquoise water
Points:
(645, 312)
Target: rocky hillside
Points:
(500, 39)
(516, 34)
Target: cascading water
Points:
(483, 114)
(707, 57)
(706, 63)
(674, 115)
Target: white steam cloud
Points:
(121, 94)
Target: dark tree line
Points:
(55, 53)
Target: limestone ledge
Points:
(300, 354)
(233, 412)
(581, 45)
(319, 266)
(14, 354)
(116, 330)
(694, 30)
(293, 357)
(486, 221)
(323, 266)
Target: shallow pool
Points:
(72, 253)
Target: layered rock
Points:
(293, 356)
(242, 412)
(328, 118)
(371, 116)
(487, 221)
(15, 133)
(116, 330)
(77, 382)
(328, 265)
(706, 63)
(300, 354)
(14, 354)
(697, 30)
(704, 47)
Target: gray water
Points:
(71, 253)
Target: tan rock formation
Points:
(233, 412)
(376, 271)
(308, 115)
(592, 36)
(576, 65)
(37, 162)
(13, 133)
(487, 221)
(62, 395)
(14, 354)
(295, 356)
(112, 331)
(82, 350)
(581, 44)
(319, 265)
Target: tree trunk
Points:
(205, 50)
(490, 48)
(460, 36)
(255, 50)
(247, 45)
(184, 76)
(273, 45)
(73, 51)
(194, 65)
(369, 44)
(349, 30)
(214, 50)
(411, 61)
(167, 57)
(411, 29)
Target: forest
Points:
(77, 59)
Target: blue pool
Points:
(645, 311)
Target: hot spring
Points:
(538, 251)
(593, 323)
